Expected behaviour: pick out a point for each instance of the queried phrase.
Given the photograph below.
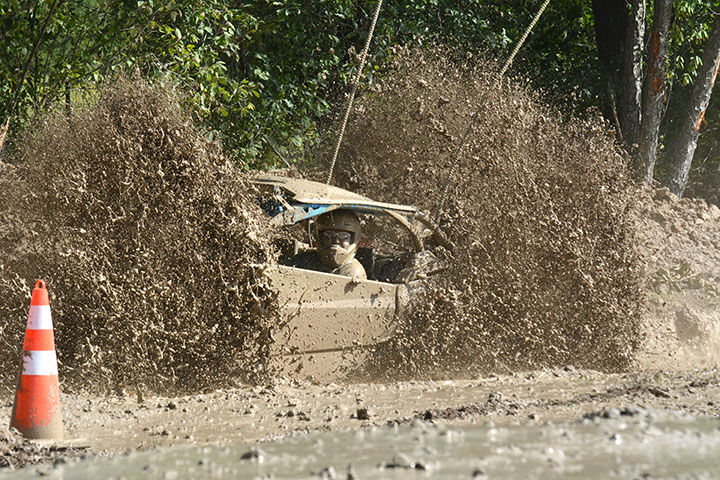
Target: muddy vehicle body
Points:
(331, 322)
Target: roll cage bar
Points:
(294, 200)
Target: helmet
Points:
(338, 234)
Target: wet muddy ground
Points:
(522, 405)
(608, 444)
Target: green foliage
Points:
(690, 30)
(87, 41)
(262, 68)
(269, 69)
(295, 54)
(201, 46)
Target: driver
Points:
(338, 234)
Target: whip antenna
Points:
(348, 107)
(475, 115)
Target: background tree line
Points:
(261, 73)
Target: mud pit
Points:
(550, 399)
(676, 255)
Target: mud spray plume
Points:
(544, 273)
(150, 243)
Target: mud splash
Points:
(543, 272)
(149, 241)
(153, 247)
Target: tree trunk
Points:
(631, 71)
(68, 106)
(619, 34)
(682, 147)
(654, 90)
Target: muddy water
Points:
(633, 443)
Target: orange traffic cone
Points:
(36, 412)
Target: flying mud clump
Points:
(149, 241)
(543, 272)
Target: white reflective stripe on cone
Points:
(42, 362)
(39, 318)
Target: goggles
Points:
(336, 237)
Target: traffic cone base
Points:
(36, 412)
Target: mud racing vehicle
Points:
(331, 322)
